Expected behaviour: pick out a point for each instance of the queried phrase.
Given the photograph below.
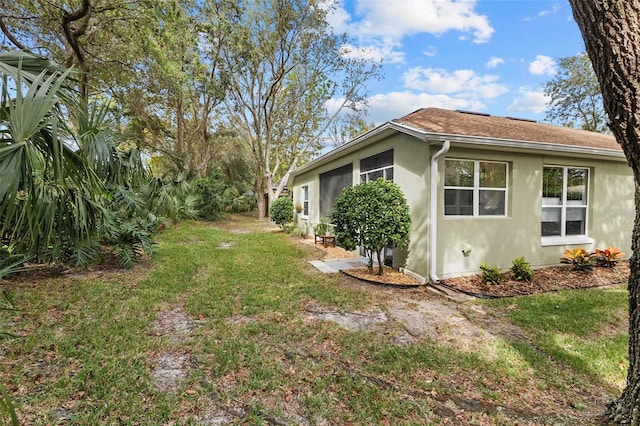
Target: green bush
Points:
(215, 197)
(521, 269)
(281, 211)
(372, 215)
(490, 274)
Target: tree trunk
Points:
(612, 38)
(380, 262)
(262, 213)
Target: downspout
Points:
(433, 211)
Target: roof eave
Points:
(527, 146)
(470, 141)
(364, 139)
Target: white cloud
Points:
(545, 12)
(374, 53)
(494, 61)
(382, 25)
(388, 106)
(465, 83)
(384, 107)
(530, 102)
(543, 65)
(430, 51)
(398, 19)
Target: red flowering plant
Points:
(608, 257)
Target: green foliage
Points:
(372, 215)
(576, 99)
(216, 197)
(490, 274)
(521, 269)
(281, 211)
(607, 258)
(579, 258)
(7, 411)
(323, 228)
(60, 204)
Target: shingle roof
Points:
(438, 120)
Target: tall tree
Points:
(97, 37)
(576, 99)
(284, 63)
(173, 110)
(611, 32)
(347, 127)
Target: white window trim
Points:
(476, 191)
(566, 241)
(561, 240)
(364, 175)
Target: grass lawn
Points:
(222, 328)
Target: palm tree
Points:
(50, 203)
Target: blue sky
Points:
(489, 56)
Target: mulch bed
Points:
(545, 280)
(391, 277)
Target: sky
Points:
(489, 56)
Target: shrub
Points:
(607, 258)
(490, 274)
(372, 215)
(281, 211)
(579, 258)
(521, 269)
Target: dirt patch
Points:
(170, 367)
(170, 370)
(354, 321)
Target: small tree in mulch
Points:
(372, 215)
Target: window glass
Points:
(477, 176)
(493, 175)
(458, 202)
(552, 183)
(577, 186)
(491, 203)
(305, 200)
(551, 221)
(564, 201)
(576, 220)
(458, 173)
(377, 166)
(383, 159)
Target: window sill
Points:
(566, 241)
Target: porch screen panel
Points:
(331, 185)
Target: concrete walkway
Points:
(331, 266)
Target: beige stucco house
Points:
(483, 188)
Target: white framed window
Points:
(475, 188)
(377, 166)
(565, 204)
(304, 197)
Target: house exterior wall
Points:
(411, 172)
(495, 240)
(499, 240)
